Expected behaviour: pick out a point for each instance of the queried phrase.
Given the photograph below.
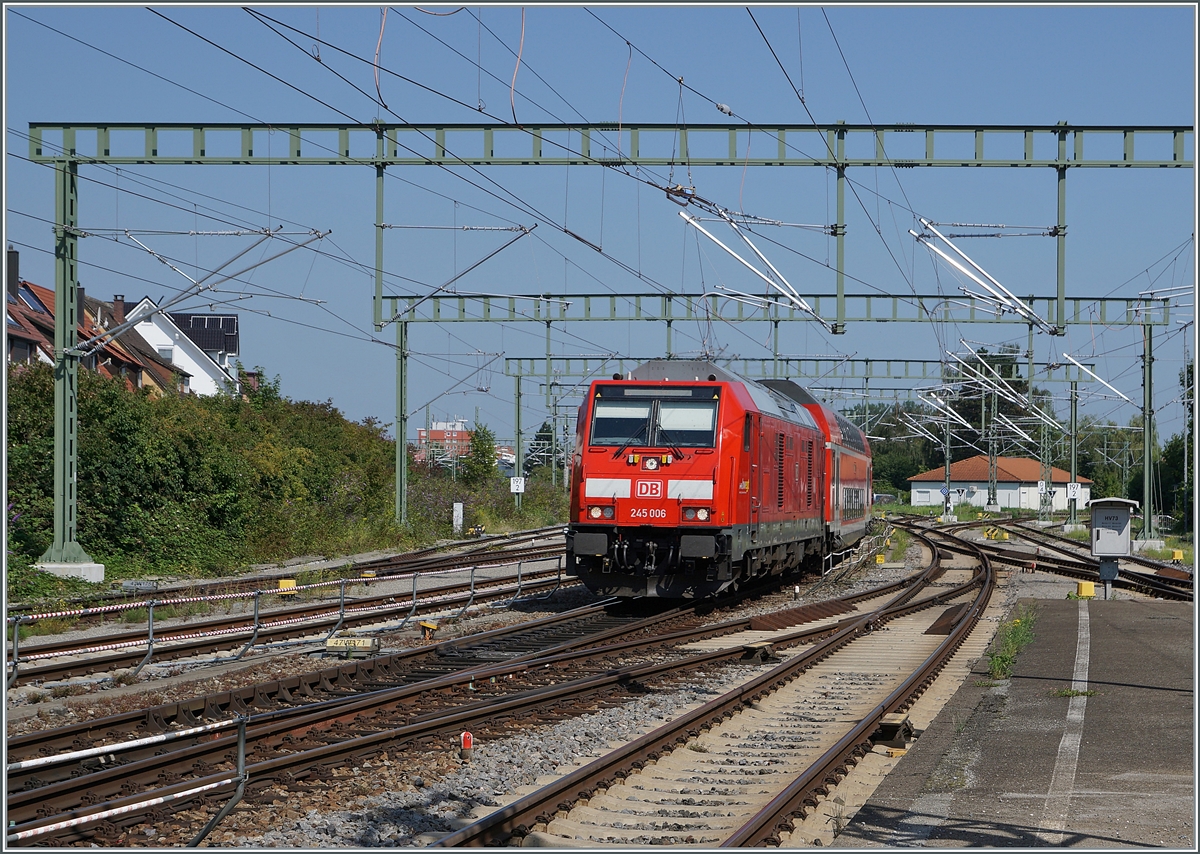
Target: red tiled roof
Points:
(39, 327)
(29, 326)
(1008, 470)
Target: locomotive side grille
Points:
(809, 480)
(779, 468)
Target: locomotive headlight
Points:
(702, 514)
(609, 512)
(594, 512)
(689, 513)
(650, 463)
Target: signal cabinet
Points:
(1111, 526)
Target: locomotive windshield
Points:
(655, 417)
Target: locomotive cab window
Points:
(655, 417)
(687, 424)
(618, 421)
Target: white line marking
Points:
(1062, 782)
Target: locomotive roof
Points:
(684, 370)
(768, 400)
(850, 434)
(792, 390)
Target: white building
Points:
(202, 345)
(1017, 480)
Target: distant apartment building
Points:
(446, 442)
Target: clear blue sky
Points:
(1129, 230)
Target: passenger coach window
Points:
(690, 424)
(617, 422)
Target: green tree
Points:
(187, 485)
(479, 465)
(544, 450)
(1187, 485)
(896, 454)
(975, 406)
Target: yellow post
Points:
(287, 587)
(1085, 589)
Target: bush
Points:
(1010, 639)
(202, 486)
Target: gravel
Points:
(409, 798)
(438, 797)
(415, 801)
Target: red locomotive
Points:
(689, 479)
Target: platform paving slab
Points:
(994, 767)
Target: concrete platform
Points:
(1023, 763)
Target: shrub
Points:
(1010, 639)
(202, 486)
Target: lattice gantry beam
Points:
(902, 145)
(602, 367)
(557, 308)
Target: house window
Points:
(167, 354)
(19, 351)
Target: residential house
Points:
(30, 333)
(1017, 484)
(158, 374)
(200, 346)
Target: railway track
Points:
(1074, 548)
(738, 770)
(433, 559)
(293, 746)
(114, 651)
(1166, 582)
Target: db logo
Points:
(649, 489)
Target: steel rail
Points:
(517, 818)
(289, 725)
(1084, 569)
(297, 721)
(24, 806)
(193, 711)
(1072, 547)
(298, 625)
(459, 717)
(429, 559)
(776, 817)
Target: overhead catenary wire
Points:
(624, 266)
(517, 203)
(630, 48)
(639, 274)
